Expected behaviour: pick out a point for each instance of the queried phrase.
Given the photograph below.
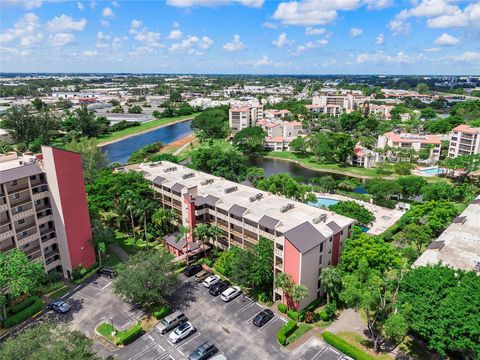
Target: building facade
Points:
(464, 140)
(332, 104)
(43, 209)
(306, 239)
(240, 118)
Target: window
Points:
(320, 261)
(16, 195)
(319, 284)
(38, 202)
(321, 247)
(330, 240)
(279, 246)
(33, 177)
(341, 232)
(24, 233)
(21, 221)
(319, 272)
(19, 208)
(14, 183)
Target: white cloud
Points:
(282, 41)
(432, 49)
(27, 4)
(380, 39)
(135, 25)
(191, 43)
(26, 29)
(378, 4)
(399, 26)
(266, 61)
(309, 45)
(80, 6)
(214, 3)
(14, 52)
(175, 34)
(312, 12)
(446, 40)
(60, 39)
(65, 23)
(116, 4)
(92, 5)
(269, 25)
(107, 12)
(150, 38)
(469, 17)
(355, 32)
(309, 31)
(102, 36)
(467, 57)
(104, 23)
(382, 58)
(89, 53)
(235, 45)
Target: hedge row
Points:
(345, 347)
(22, 305)
(292, 314)
(162, 311)
(285, 331)
(23, 314)
(90, 272)
(129, 335)
(282, 308)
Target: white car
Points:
(211, 280)
(231, 293)
(181, 332)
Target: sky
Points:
(241, 36)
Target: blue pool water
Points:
(433, 171)
(121, 150)
(324, 202)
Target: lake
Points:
(121, 150)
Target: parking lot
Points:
(227, 325)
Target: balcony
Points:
(46, 231)
(53, 264)
(27, 239)
(3, 207)
(279, 252)
(31, 251)
(51, 253)
(6, 234)
(40, 195)
(49, 242)
(7, 248)
(44, 219)
(12, 189)
(20, 201)
(23, 214)
(24, 227)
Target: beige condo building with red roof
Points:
(464, 140)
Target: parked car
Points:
(181, 332)
(231, 293)
(107, 271)
(203, 352)
(211, 280)
(191, 270)
(218, 288)
(59, 306)
(202, 275)
(170, 321)
(263, 317)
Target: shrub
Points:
(331, 309)
(208, 262)
(52, 287)
(129, 335)
(345, 347)
(309, 317)
(292, 314)
(264, 297)
(324, 315)
(23, 305)
(310, 307)
(290, 327)
(281, 338)
(86, 274)
(23, 314)
(162, 311)
(282, 308)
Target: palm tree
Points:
(127, 204)
(101, 248)
(215, 232)
(144, 209)
(184, 232)
(331, 280)
(163, 220)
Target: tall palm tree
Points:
(145, 209)
(331, 279)
(125, 208)
(163, 220)
(184, 232)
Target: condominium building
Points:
(240, 118)
(278, 133)
(380, 111)
(306, 239)
(391, 140)
(464, 140)
(332, 104)
(43, 209)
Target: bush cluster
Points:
(345, 347)
(162, 311)
(23, 314)
(129, 335)
(22, 305)
(282, 308)
(123, 125)
(285, 331)
(292, 314)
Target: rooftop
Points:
(467, 129)
(413, 138)
(459, 245)
(267, 204)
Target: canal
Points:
(121, 150)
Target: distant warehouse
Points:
(459, 245)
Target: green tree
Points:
(212, 123)
(148, 278)
(299, 144)
(254, 174)
(441, 304)
(18, 275)
(163, 221)
(136, 109)
(102, 237)
(326, 183)
(38, 104)
(428, 113)
(262, 266)
(48, 341)
(355, 211)
(250, 141)
(294, 293)
(203, 233)
(383, 189)
(284, 184)
(144, 211)
(184, 234)
(93, 159)
(374, 251)
(414, 234)
(331, 280)
(439, 191)
(422, 88)
(20, 124)
(437, 215)
(175, 96)
(411, 186)
(85, 122)
(375, 293)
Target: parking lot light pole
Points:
(113, 329)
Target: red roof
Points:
(413, 138)
(274, 139)
(466, 129)
(242, 109)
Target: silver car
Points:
(181, 332)
(171, 321)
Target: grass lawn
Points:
(302, 329)
(58, 293)
(362, 343)
(110, 259)
(196, 144)
(132, 246)
(106, 330)
(142, 127)
(314, 165)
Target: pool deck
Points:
(380, 224)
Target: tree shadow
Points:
(183, 295)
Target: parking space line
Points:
(142, 352)
(162, 356)
(180, 352)
(320, 352)
(233, 301)
(251, 319)
(161, 347)
(243, 308)
(193, 338)
(150, 337)
(269, 323)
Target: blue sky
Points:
(241, 36)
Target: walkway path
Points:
(181, 148)
(349, 320)
(117, 250)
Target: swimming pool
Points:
(321, 201)
(433, 171)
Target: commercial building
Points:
(306, 239)
(464, 140)
(43, 209)
(405, 141)
(459, 245)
